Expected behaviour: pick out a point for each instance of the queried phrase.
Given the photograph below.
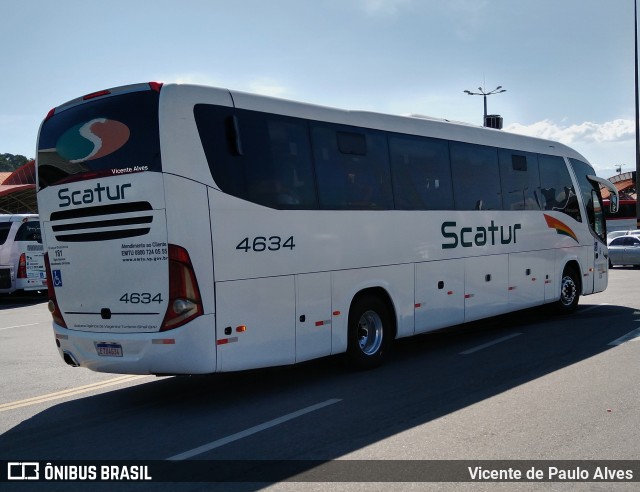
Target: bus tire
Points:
(569, 291)
(369, 332)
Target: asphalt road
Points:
(527, 386)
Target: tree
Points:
(10, 162)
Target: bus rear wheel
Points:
(569, 291)
(369, 332)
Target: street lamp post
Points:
(484, 94)
(635, 25)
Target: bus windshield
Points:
(103, 137)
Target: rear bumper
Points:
(31, 284)
(8, 282)
(190, 349)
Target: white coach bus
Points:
(196, 230)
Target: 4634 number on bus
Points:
(262, 243)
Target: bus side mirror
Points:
(613, 196)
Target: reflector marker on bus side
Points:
(417, 305)
(163, 341)
(336, 313)
(468, 296)
(324, 322)
(225, 341)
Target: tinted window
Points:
(29, 231)
(259, 157)
(557, 192)
(352, 168)
(591, 197)
(5, 227)
(421, 173)
(476, 179)
(96, 137)
(520, 180)
(624, 241)
(598, 214)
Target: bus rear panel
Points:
(120, 292)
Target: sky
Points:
(567, 65)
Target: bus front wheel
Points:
(369, 332)
(569, 291)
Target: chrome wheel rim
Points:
(370, 332)
(568, 291)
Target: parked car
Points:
(21, 254)
(624, 250)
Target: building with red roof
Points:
(18, 190)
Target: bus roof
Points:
(416, 125)
(413, 124)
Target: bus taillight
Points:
(95, 95)
(185, 302)
(22, 266)
(54, 309)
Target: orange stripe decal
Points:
(560, 227)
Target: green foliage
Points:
(10, 162)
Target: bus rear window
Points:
(102, 137)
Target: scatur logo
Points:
(92, 140)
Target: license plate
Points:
(109, 349)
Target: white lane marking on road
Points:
(66, 393)
(489, 344)
(631, 336)
(19, 326)
(252, 430)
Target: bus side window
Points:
(421, 173)
(290, 183)
(591, 197)
(556, 187)
(476, 178)
(520, 180)
(259, 157)
(352, 168)
(276, 161)
(216, 127)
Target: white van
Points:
(21, 254)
